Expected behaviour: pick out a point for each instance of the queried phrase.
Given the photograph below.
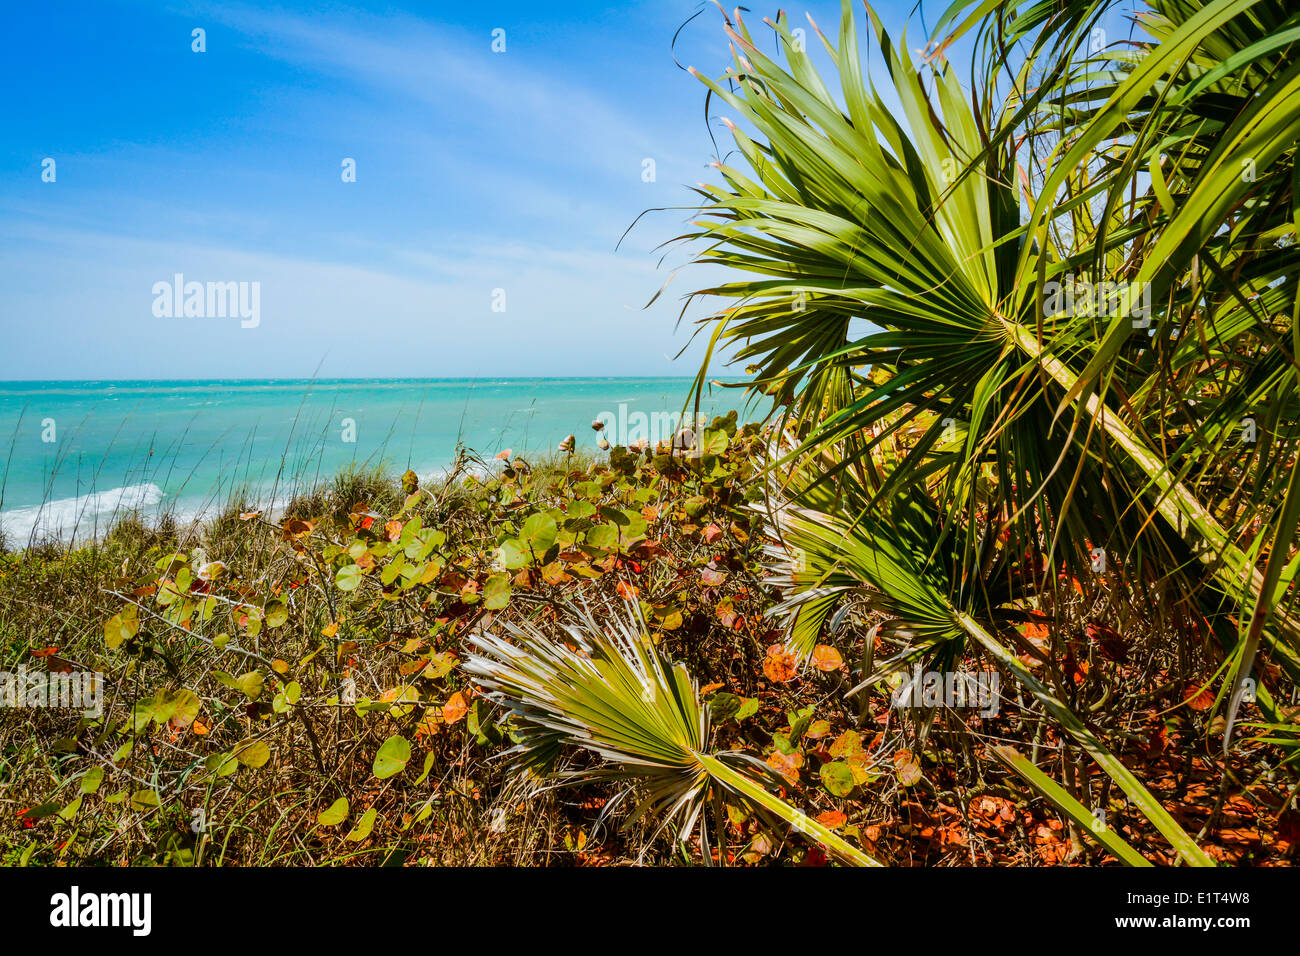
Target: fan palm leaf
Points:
(610, 693)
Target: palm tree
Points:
(1029, 438)
(1035, 336)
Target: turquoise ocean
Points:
(81, 454)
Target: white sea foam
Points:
(66, 519)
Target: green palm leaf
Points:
(612, 694)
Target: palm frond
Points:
(610, 693)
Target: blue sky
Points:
(475, 171)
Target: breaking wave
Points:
(66, 519)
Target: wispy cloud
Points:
(405, 59)
(476, 171)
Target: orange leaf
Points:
(779, 665)
(1199, 700)
(847, 744)
(787, 765)
(826, 658)
(295, 528)
(455, 708)
(832, 819)
(430, 723)
(1036, 632)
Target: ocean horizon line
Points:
(362, 378)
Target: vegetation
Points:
(343, 690)
(1079, 372)
(1033, 350)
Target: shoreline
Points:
(61, 520)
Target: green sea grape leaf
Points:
(496, 593)
(348, 577)
(538, 534)
(334, 814)
(393, 756)
(363, 827)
